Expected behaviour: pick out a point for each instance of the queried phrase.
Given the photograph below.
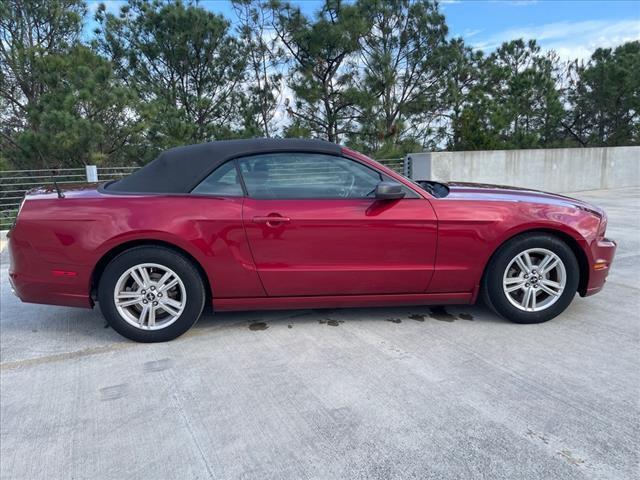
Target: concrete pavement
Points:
(364, 393)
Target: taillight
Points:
(18, 214)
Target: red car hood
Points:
(481, 191)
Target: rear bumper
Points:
(35, 281)
(603, 251)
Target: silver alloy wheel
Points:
(534, 280)
(150, 296)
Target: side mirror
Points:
(389, 191)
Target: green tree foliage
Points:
(403, 58)
(323, 73)
(516, 103)
(380, 75)
(265, 59)
(61, 105)
(29, 31)
(84, 116)
(462, 76)
(605, 98)
(184, 65)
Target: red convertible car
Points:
(280, 224)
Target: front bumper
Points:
(603, 252)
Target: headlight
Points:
(602, 229)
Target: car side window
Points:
(223, 181)
(306, 175)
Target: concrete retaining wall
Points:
(555, 170)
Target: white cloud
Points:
(471, 33)
(569, 39)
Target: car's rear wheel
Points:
(531, 279)
(151, 294)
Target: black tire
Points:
(183, 268)
(494, 295)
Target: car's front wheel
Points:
(531, 279)
(151, 294)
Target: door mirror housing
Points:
(389, 191)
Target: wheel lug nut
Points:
(153, 288)
(159, 294)
(143, 292)
(155, 303)
(144, 301)
(525, 276)
(526, 284)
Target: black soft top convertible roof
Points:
(180, 169)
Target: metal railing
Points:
(396, 164)
(15, 183)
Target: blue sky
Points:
(574, 28)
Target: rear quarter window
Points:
(223, 181)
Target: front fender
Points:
(471, 231)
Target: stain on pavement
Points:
(258, 326)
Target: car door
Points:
(314, 228)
